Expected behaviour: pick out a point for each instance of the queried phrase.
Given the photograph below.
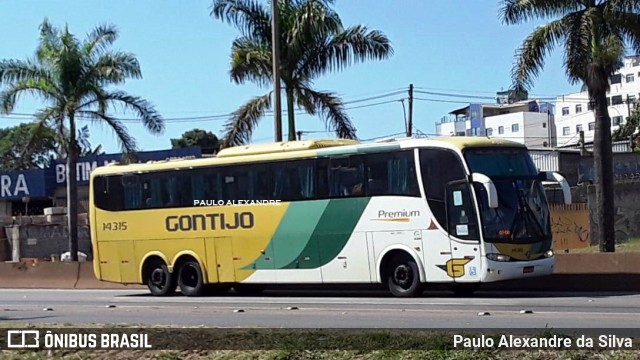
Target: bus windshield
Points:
(522, 215)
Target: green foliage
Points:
(313, 42)
(75, 80)
(26, 146)
(593, 35)
(206, 140)
(629, 128)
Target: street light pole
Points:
(275, 50)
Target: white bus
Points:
(404, 213)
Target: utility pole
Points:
(583, 150)
(410, 122)
(275, 49)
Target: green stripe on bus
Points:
(332, 233)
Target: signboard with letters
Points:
(41, 183)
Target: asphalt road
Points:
(322, 310)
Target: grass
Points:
(305, 344)
(631, 245)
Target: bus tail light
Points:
(498, 257)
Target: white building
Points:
(527, 122)
(575, 113)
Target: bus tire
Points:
(403, 277)
(159, 280)
(190, 278)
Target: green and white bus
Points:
(403, 213)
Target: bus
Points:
(402, 213)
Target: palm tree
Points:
(313, 42)
(593, 33)
(72, 77)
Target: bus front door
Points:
(464, 234)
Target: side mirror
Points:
(492, 193)
(557, 178)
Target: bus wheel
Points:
(159, 280)
(465, 289)
(403, 277)
(190, 278)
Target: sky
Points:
(458, 47)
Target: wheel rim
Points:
(189, 276)
(403, 276)
(159, 278)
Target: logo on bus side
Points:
(213, 221)
(455, 267)
(397, 216)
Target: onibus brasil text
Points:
(83, 340)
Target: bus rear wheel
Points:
(190, 278)
(403, 277)
(159, 280)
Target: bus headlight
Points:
(498, 257)
(548, 254)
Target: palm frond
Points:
(248, 16)
(36, 88)
(151, 119)
(12, 71)
(252, 61)
(243, 121)
(100, 38)
(628, 25)
(127, 142)
(332, 110)
(355, 44)
(114, 68)
(530, 57)
(518, 11)
(578, 43)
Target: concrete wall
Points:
(42, 241)
(41, 236)
(627, 212)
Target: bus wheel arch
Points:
(401, 271)
(190, 275)
(156, 275)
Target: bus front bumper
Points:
(509, 270)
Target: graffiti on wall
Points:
(571, 226)
(626, 222)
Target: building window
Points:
(544, 125)
(566, 130)
(578, 108)
(565, 111)
(500, 129)
(629, 78)
(616, 120)
(578, 129)
(616, 100)
(590, 105)
(515, 128)
(592, 126)
(616, 79)
(489, 131)
(608, 101)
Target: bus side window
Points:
(322, 178)
(132, 192)
(438, 168)
(346, 176)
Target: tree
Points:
(628, 131)
(26, 146)
(73, 78)
(206, 140)
(313, 42)
(593, 33)
(84, 146)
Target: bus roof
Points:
(302, 149)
